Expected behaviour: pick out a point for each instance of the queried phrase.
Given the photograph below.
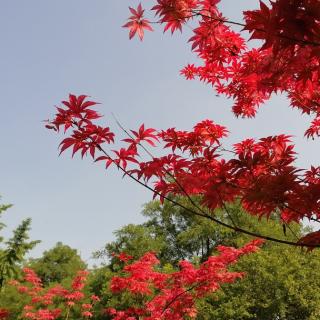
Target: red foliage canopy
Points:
(172, 296)
(261, 174)
(55, 302)
(159, 295)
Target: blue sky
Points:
(52, 48)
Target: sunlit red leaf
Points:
(137, 24)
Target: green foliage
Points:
(13, 302)
(188, 237)
(57, 264)
(12, 256)
(171, 232)
(14, 250)
(280, 282)
(3, 208)
(134, 240)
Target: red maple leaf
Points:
(147, 135)
(136, 23)
(312, 238)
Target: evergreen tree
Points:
(13, 252)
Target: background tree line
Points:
(280, 281)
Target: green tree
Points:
(13, 250)
(57, 264)
(280, 284)
(175, 234)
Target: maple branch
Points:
(165, 170)
(192, 202)
(197, 213)
(226, 150)
(293, 233)
(206, 216)
(306, 42)
(173, 20)
(226, 210)
(315, 220)
(300, 213)
(181, 294)
(196, 13)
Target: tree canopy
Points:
(280, 282)
(57, 264)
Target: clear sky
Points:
(52, 48)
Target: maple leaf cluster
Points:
(165, 295)
(287, 61)
(172, 296)
(259, 173)
(54, 302)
